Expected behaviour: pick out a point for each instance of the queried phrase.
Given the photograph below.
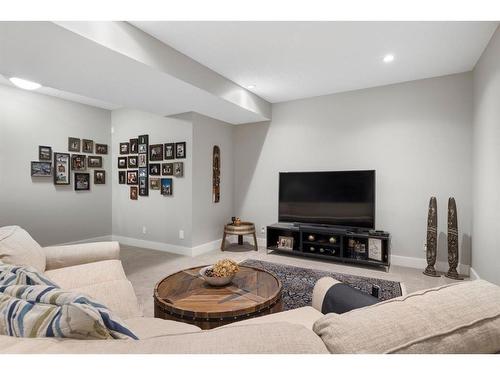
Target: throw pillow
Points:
(47, 311)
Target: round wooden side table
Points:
(244, 228)
(186, 297)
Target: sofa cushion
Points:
(146, 328)
(305, 316)
(87, 274)
(47, 311)
(275, 338)
(117, 295)
(17, 247)
(22, 275)
(455, 318)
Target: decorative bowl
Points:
(214, 280)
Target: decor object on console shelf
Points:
(431, 246)
(452, 241)
(216, 175)
(244, 228)
(285, 243)
(353, 246)
(177, 297)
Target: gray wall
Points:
(208, 217)
(163, 216)
(486, 162)
(416, 135)
(51, 214)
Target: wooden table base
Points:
(239, 230)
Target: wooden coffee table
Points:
(186, 297)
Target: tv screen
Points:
(345, 198)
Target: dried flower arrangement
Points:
(223, 268)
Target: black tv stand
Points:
(350, 245)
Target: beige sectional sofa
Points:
(462, 317)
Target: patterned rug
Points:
(298, 283)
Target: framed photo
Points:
(143, 172)
(132, 161)
(166, 186)
(133, 193)
(94, 161)
(78, 162)
(101, 149)
(143, 148)
(44, 153)
(167, 169)
(169, 151)
(82, 181)
(41, 169)
(156, 152)
(375, 249)
(143, 187)
(143, 160)
(154, 169)
(180, 150)
(122, 162)
(134, 145)
(132, 178)
(154, 183)
(62, 174)
(73, 144)
(179, 169)
(143, 139)
(124, 148)
(99, 177)
(88, 146)
(285, 243)
(122, 177)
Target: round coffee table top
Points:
(185, 294)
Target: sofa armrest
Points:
(320, 289)
(72, 255)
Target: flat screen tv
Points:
(340, 198)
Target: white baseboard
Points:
(160, 246)
(474, 275)
(87, 240)
(421, 263)
(206, 247)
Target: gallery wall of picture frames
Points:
(61, 165)
(146, 167)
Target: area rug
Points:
(298, 282)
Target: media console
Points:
(332, 243)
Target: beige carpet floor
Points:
(145, 268)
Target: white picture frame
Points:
(375, 249)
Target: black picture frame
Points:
(180, 150)
(78, 162)
(143, 139)
(99, 177)
(134, 145)
(132, 162)
(101, 149)
(122, 177)
(167, 186)
(124, 148)
(154, 184)
(41, 169)
(169, 151)
(156, 152)
(44, 153)
(88, 146)
(82, 181)
(132, 177)
(94, 161)
(178, 169)
(133, 193)
(143, 172)
(74, 144)
(167, 169)
(143, 187)
(143, 160)
(154, 169)
(122, 162)
(62, 168)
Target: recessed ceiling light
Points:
(388, 58)
(25, 84)
(250, 87)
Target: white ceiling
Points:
(292, 60)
